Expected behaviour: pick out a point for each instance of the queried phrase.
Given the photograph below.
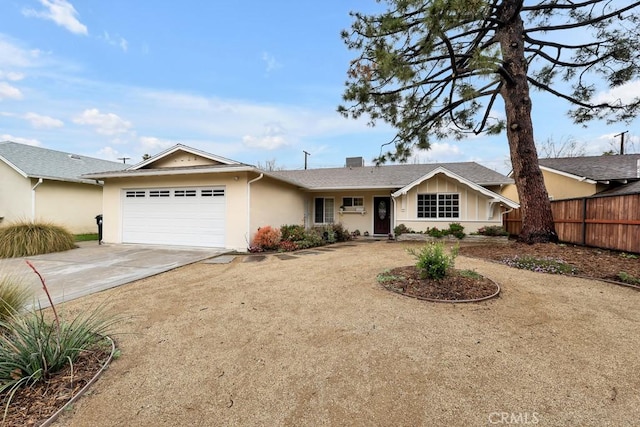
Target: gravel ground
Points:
(314, 340)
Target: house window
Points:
(159, 193)
(323, 210)
(352, 203)
(135, 194)
(438, 205)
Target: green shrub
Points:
(312, 238)
(434, 232)
(14, 296)
(401, 229)
(433, 262)
(267, 238)
(292, 232)
(34, 238)
(33, 347)
(493, 230)
(341, 234)
(456, 229)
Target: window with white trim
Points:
(352, 203)
(439, 205)
(324, 207)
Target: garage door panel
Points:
(175, 219)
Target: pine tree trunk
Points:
(537, 220)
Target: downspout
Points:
(249, 206)
(33, 199)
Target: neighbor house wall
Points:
(475, 208)
(15, 196)
(235, 199)
(558, 187)
(72, 205)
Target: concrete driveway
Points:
(92, 268)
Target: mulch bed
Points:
(455, 287)
(589, 262)
(32, 406)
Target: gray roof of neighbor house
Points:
(386, 176)
(37, 162)
(597, 168)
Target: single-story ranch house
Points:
(184, 196)
(41, 184)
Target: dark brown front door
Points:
(381, 215)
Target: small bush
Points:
(433, 262)
(341, 234)
(267, 238)
(434, 232)
(493, 230)
(312, 239)
(456, 229)
(14, 295)
(26, 238)
(287, 246)
(401, 229)
(292, 232)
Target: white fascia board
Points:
(569, 175)
(180, 147)
(460, 179)
(14, 167)
(351, 188)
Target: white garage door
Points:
(174, 216)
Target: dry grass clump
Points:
(26, 238)
(14, 296)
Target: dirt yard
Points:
(314, 340)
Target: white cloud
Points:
(9, 92)
(625, 93)
(61, 12)
(272, 137)
(155, 144)
(109, 153)
(28, 141)
(104, 123)
(116, 40)
(11, 76)
(270, 61)
(43, 122)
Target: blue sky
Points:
(253, 81)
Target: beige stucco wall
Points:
(271, 203)
(275, 203)
(350, 220)
(15, 195)
(181, 159)
(474, 206)
(72, 205)
(558, 187)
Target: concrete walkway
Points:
(92, 268)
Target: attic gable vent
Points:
(355, 162)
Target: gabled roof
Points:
(146, 167)
(462, 180)
(184, 148)
(596, 168)
(387, 176)
(37, 162)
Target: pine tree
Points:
(437, 69)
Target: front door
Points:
(381, 215)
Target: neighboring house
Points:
(184, 196)
(41, 184)
(570, 177)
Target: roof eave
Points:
(168, 171)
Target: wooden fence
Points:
(611, 222)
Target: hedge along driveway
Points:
(314, 340)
